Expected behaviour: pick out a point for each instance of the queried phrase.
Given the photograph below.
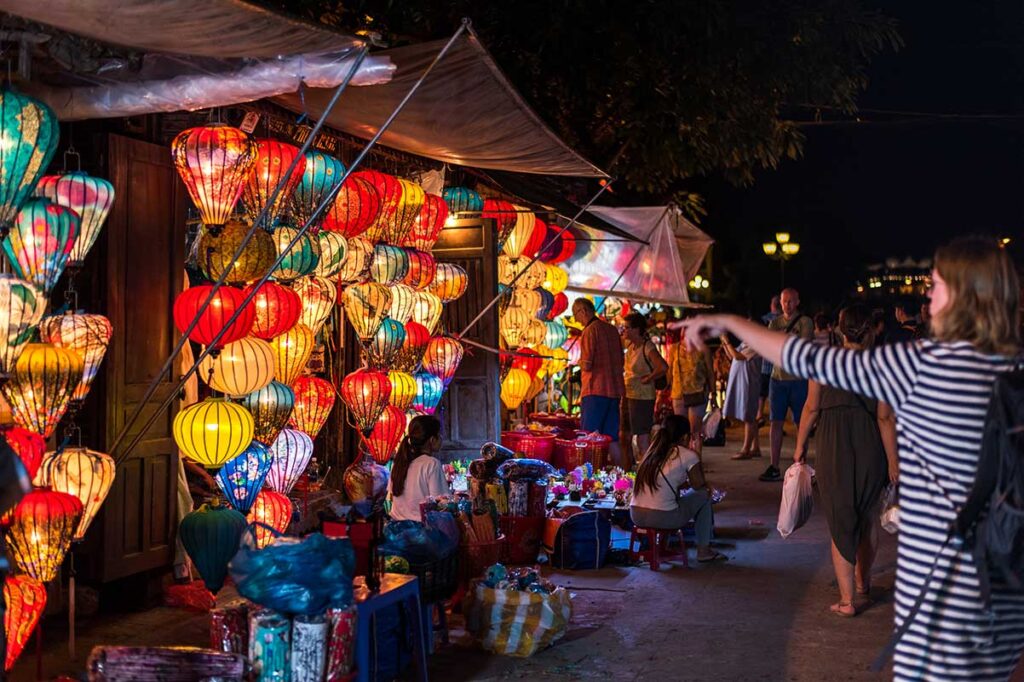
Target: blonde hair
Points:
(984, 296)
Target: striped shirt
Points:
(940, 392)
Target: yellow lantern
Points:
(213, 432)
(214, 252)
(44, 379)
(427, 310)
(318, 295)
(534, 333)
(403, 300)
(333, 249)
(399, 222)
(508, 270)
(545, 353)
(403, 389)
(356, 263)
(513, 324)
(536, 387)
(450, 282)
(515, 387)
(556, 279)
(240, 368)
(559, 360)
(291, 353)
(86, 334)
(82, 473)
(40, 532)
(520, 234)
(366, 305)
(529, 300)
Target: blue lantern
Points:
(386, 344)
(210, 535)
(547, 300)
(322, 173)
(428, 392)
(556, 334)
(241, 479)
(28, 140)
(462, 199)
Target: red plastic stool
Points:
(657, 546)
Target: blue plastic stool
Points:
(394, 589)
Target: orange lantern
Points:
(513, 324)
(274, 510)
(355, 207)
(291, 353)
(422, 270)
(277, 308)
(450, 282)
(442, 358)
(427, 310)
(44, 380)
(514, 388)
(314, 399)
(387, 434)
(41, 530)
(366, 394)
(426, 228)
(215, 318)
(390, 193)
(366, 305)
(214, 161)
(25, 599)
(534, 333)
(403, 389)
(273, 159)
(416, 339)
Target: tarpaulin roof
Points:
(465, 113)
(656, 269)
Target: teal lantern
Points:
(300, 260)
(210, 536)
(428, 392)
(390, 264)
(385, 345)
(242, 478)
(39, 243)
(462, 199)
(271, 407)
(555, 334)
(322, 173)
(28, 140)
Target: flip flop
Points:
(714, 558)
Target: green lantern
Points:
(210, 535)
(298, 261)
(28, 140)
(271, 406)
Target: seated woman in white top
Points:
(666, 466)
(415, 473)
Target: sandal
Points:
(844, 609)
(742, 455)
(714, 557)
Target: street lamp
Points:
(782, 249)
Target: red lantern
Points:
(389, 190)
(442, 358)
(529, 361)
(25, 598)
(428, 224)
(559, 306)
(537, 239)
(386, 435)
(314, 398)
(277, 310)
(416, 339)
(504, 214)
(29, 446)
(273, 159)
(273, 509)
(366, 394)
(422, 270)
(214, 161)
(224, 304)
(43, 525)
(355, 207)
(568, 248)
(505, 361)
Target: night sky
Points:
(901, 185)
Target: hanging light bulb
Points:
(25, 600)
(89, 197)
(514, 388)
(442, 358)
(273, 159)
(422, 270)
(322, 173)
(276, 310)
(427, 310)
(366, 305)
(387, 433)
(428, 393)
(41, 387)
(84, 474)
(292, 451)
(291, 353)
(240, 368)
(271, 407)
(213, 431)
(398, 222)
(513, 325)
(214, 253)
(215, 318)
(556, 279)
(366, 393)
(210, 536)
(556, 334)
(333, 249)
(317, 295)
(28, 140)
(403, 300)
(272, 509)
(386, 344)
(214, 161)
(42, 526)
(355, 208)
(390, 264)
(450, 282)
(300, 260)
(403, 389)
(21, 307)
(241, 478)
(356, 265)
(314, 399)
(504, 216)
(87, 334)
(39, 242)
(416, 339)
(462, 200)
(427, 225)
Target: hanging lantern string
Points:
(324, 204)
(172, 358)
(498, 351)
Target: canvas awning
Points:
(656, 269)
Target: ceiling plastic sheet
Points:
(657, 268)
(465, 113)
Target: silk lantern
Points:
(314, 399)
(44, 379)
(517, 240)
(442, 358)
(503, 214)
(225, 302)
(333, 249)
(450, 282)
(356, 264)
(42, 526)
(545, 353)
(84, 474)
(403, 389)
(386, 435)
(416, 339)
(273, 159)
(534, 333)
(551, 244)
(390, 193)
(291, 352)
(272, 509)
(213, 431)
(548, 300)
(354, 209)
(505, 361)
(299, 259)
(386, 344)
(270, 407)
(429, 390)
(292, 450)
(241, 478)
(556, 334)
(536, 240)
(317, 295)
(39, 242)
(22, 305)
(529, 300)
(426, 310)
(509, 270)
(513, 325)
(568, 248)
(321, 174)
(403, 300)
(25, 600)
(560, 305)
(28, 141)
(462, 200)
(29, 446)
(240, 368)
(529, 361)
(556, 279)
(559, 360)
(87, 334)
(366, 305)
(90, 198)
(427, 226)
(366, 393)
(214, 161)
(390, 264)
(398, 222)
(514, 388)
(276, 310)
(210, 536)
(422, 270)
(536, 387)
(214, 253)
(365, 482)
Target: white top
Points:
(676, 469)
(424, 479)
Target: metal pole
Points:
(782, 273)
(327, 201)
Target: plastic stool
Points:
(657, 546)
(430, 627)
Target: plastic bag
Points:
(421, 543)
(711, 422)
(294, 576)
(797, 498)
(890, 517)
(525, 468)
(516, 623)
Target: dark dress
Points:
(851, 467)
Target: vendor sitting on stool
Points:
(416, 474)
(666, 466)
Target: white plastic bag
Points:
(890, 517)
(797, 496)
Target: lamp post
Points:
(782, 249)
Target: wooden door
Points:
(145, 259)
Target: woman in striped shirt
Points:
(940, 389)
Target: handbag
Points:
(661, 383)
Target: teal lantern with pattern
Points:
(210, 536)
(28, 140)
(321, 174)
(299, 260)
(462, 200)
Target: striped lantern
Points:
(387, 433)
(22, 305)
(272, 161)
(39, 391)
(366, 393)
(462, 200)
(28, 141)
(390, 264)
(292, 451)
(422, 270)
(213, 431)
(533, 333)
(42, 526)
(291, 352)
(427, 310)
(321, 174)
(514, 388)
(403, 299)
(25, 600)
(427, 226)
(355, 208)
(277, 309)
(333, 249)
(240, 368)
(89, 197)
(356, 265)
(272, 509)
(429, 390)
(403, 389)
(84, 474)
(529, 300)
(215, 318)
(210, 536)
(366, 306)
(556, 334)
(513, 326)
(314, 400)
(214, 161)
(87, 334)
(416, 339)
(241, 478)
(271, 407)
(442, 358)
(300, 259)
(318, 296)
(386, 344)
(509, 269)
(450, 282)
(214, 252)
(399, 223)
(39, 242)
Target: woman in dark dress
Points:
(856, 457)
